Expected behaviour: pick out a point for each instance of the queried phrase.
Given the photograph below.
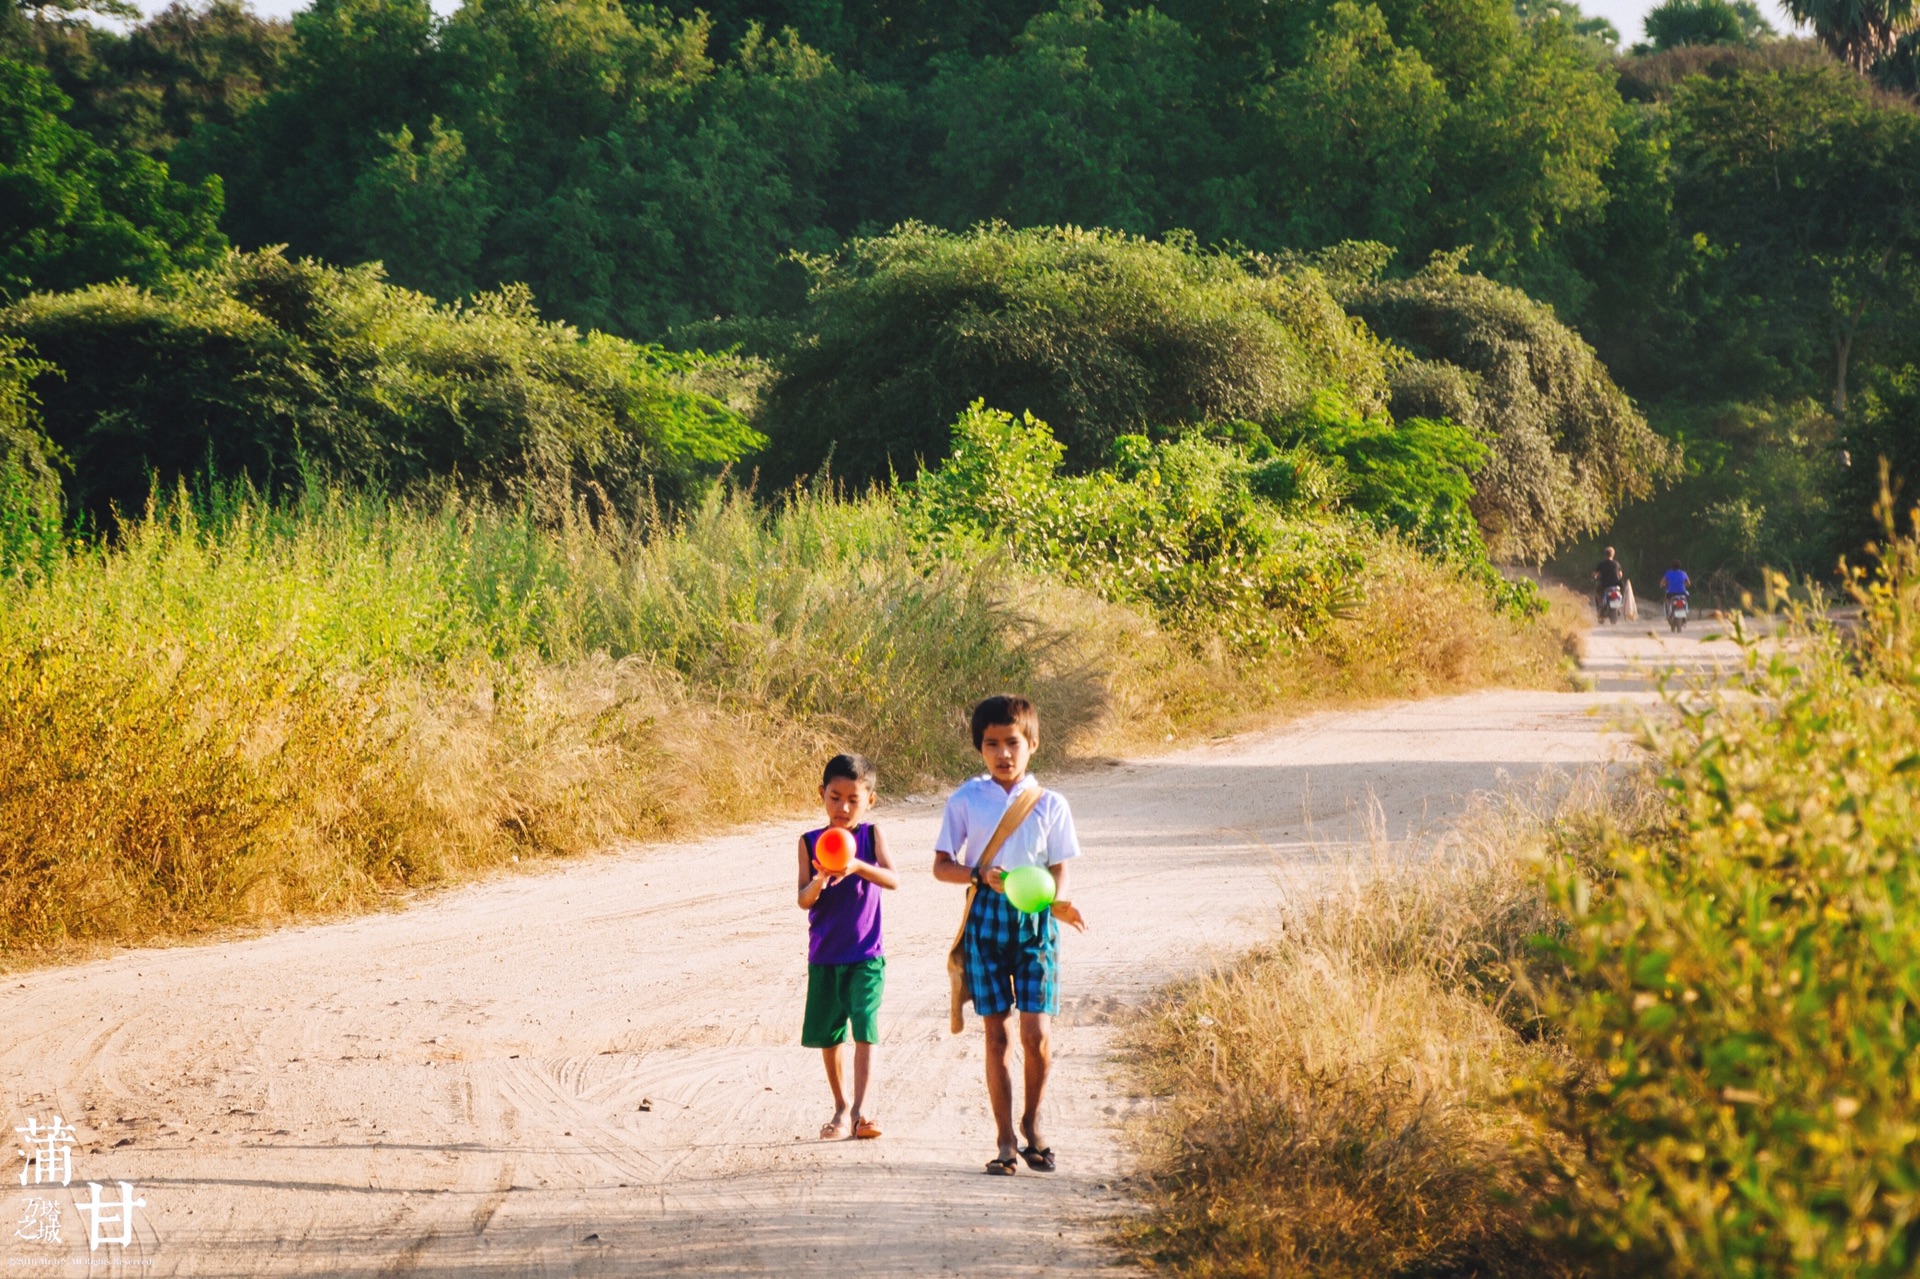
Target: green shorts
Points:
(839, 995)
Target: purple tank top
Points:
(844, 924)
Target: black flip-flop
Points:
(1002, 1167)
(1038, 1160)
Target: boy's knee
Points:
(1034, 1028)
(996, 1028)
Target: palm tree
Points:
(1859, 32)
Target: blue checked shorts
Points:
(1012, 959)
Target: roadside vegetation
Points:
(1659, 1025)
(313, 589)
(234, 709)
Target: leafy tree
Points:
(1804, 190)
(597, 153)
(1434, 124)
(1089, 119)
(357, 72)
(1352, 137)
(72, 212)
(153, 85)
(881, 39)
(640, 184)
(1677, 23)
(1567, 446)
(265, 367)
(423, 212)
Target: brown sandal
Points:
(866, 1130)
(1002, 1167)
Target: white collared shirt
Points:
(974, 810)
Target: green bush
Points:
(1568, 447)
(1415, 477)
(1100, 333)
(265, 367)
(1175, 526)
(1745, 999)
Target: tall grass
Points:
(235, 711)
(1663, 1030)
(1339, 1101)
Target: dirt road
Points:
(596, 1070)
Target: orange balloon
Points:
(833, 850)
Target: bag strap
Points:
(1017, 812)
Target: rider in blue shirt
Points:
(1675, 580)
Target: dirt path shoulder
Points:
(597, 1072)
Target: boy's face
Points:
(1006, 751)
(846, 801)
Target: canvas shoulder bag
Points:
(1023, 804)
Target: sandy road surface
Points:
(596, 1070)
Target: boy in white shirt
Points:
(1011, 958)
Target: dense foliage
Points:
(1743, 981)
(1176, 527)
(1214, 539)
(1779, 247)
(639, 167)
(148, 87)
(1099, 333)
(602, 155)
(1568, 446)
(31, 502)
(1106, 335)
(1678, 23)
(1727, 218)
(235, 710)
(272, 368)
(73, 212)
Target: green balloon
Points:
(1030, 888)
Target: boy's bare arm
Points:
(881, 872)
(1063, 910)
(949, 871)
(811, 880)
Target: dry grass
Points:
(254, 715)
(1421, 633)
(1338, 1103)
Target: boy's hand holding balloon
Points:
(833, 852)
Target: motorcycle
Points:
(1612, 605)
(1677, 613)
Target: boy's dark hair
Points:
(852, 768)
(1006, 709)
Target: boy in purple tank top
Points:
(846, 967)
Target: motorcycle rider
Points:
(1676, 583)
(1608, 574)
